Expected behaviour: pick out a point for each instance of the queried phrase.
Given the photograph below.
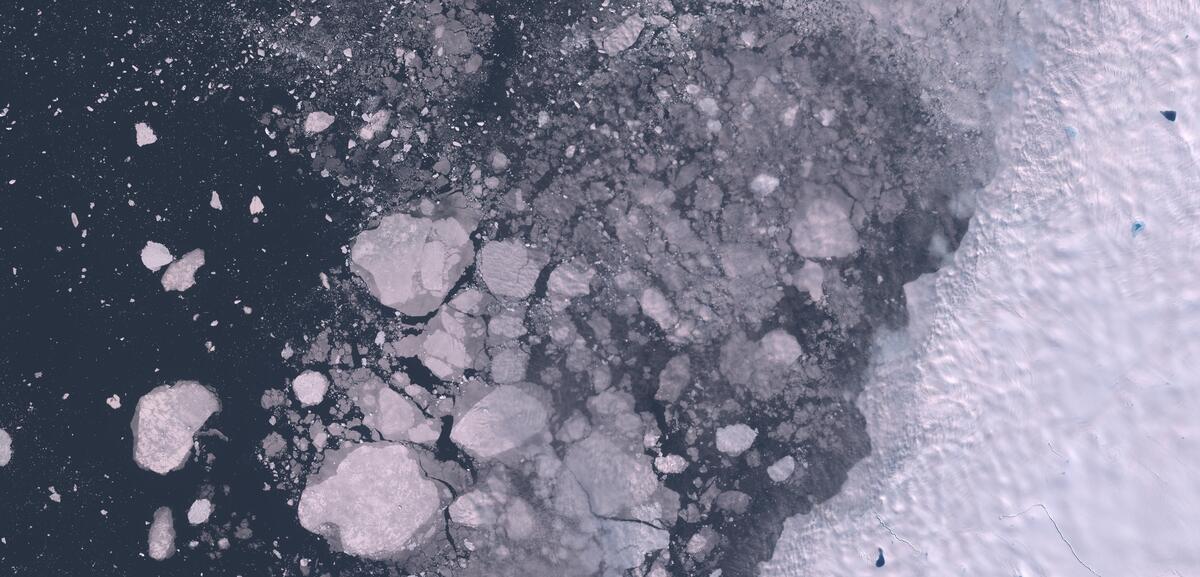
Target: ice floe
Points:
(410, 263)
(501, 421)
(144, 134)
(156, 255)
(181, 275)
(161, 540)
(509, 269)
(310, 387)
(733, 440)
(317, 122)
(165, 421)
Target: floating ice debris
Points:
(256, 205)
(317, 122)
(215, 201)
(1168, 114)
(114, 401)
(145, 134)
(674, 377)
(165, 421)
(670, 464)
(410, 263)
(824, 231)
(374, 504)
(54, 495)
(309, 388)
(733, 440)
(509, 269)
(656, 306)
(782, 469)
(156, 256)
(1138, 226)
(199, 512)
(503, 420)
(568, 281)
(6, 451)
(181, 275)
(764, 184)
(779, 347)
(623, 36)
(375, 122)
(161, 542)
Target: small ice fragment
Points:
(145, 134)
(317, 122)
(733, 440)
(309, 388)
(199, 511)
(782, 469)
(74, 220)
(165, 421)
(54, 496)
(779, 347)
(181, 275)
(314, 21)
(156, 256)
(162, 535)
(256, 205)
(114, 401)
(5, 448)
(764, 184)
(215, 201)
(670, 464)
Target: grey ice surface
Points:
(376, 503)
(165, 421)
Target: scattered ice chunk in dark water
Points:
(879, 561)
(181, 274)
(156, 255)
(161, 542)
(165, 421)
(1138, 226)
(5, 448)
(1168, 114)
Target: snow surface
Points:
(1039, 416)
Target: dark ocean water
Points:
(112, 329)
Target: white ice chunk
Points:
(215, 201)
(114, 401)
(309, 388)
(6, 451)
(145, 134)
(317, 122)
(256, 205)
(779, 347)
(199, 512)
(733, 440)
(623, 36)
(410, 263)
(782, 469)
(504, 419)
(375, 122)
(823, 230)
(764, 184)
(509, 269)
(657, 307)
(375, 503)
(161, 541)
(181, 275)
(670, 464)
(156, 256)
(164, 422)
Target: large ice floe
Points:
(165, 421)
(376, 502)
(409, 263)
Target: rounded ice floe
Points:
(199, 512)
(410, 263)
(779, 347)
(181, 275)
(509, 269)
(6, 451)
(501, 421)
(375, 503)
(317, 121)
(733, 440)
(161, 540)
(165, 421)
(782, 469)
(156, 256)
(310, 387)
(823, 230)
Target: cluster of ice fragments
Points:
(180, 274)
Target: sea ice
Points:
(733, 440)
(317, 122)
(161, 541)
(623, 36)
(375, 503)
(164, 422)
(145, 135)
(199, 512)
(6, 451)
(782, 469)
(181, 275)
(410, 263)
(310, 387)
(824, 230)
(156, 256)
(509, 269)
(503, 420)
